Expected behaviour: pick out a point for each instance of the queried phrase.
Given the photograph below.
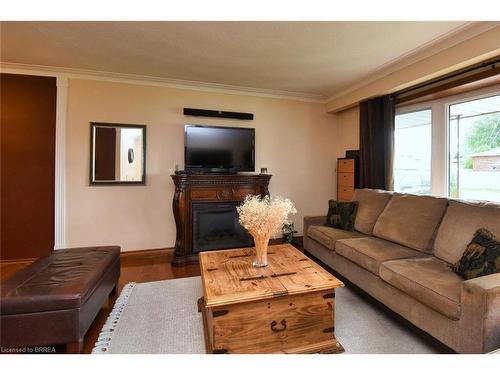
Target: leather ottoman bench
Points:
(55, 300)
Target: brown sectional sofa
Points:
(401, 252)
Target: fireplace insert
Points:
(216, 226)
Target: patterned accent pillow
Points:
(481, 257)
(341, 214)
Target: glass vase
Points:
(261, 243)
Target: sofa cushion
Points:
(428, 280)
(461, 220)
(341, 215)
(411, 220)
(371, 203)
(370, 252)
(328, 236)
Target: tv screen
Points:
(219, 149)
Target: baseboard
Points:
(123, 254)
(16, 261)
(297, 240)
(146, 252)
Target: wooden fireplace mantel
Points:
(206, 188)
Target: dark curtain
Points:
(376, 143)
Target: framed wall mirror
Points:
(117, 154)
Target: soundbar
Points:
(220, 114)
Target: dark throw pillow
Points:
(341, 214)
(481, 257)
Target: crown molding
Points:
(134, 79)
(453, 37)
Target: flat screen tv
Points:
(217, 149)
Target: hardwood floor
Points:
(139, 267)
(7, 269)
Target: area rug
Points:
(162, 317)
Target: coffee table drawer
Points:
(275, 325)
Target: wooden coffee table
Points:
(286, 307)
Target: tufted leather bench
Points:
(54, 300)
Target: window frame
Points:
(440, 134)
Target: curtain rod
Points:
(489, 63)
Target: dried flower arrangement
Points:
(263, 218)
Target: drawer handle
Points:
(278, 329)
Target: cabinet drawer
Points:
(345, 194)
(345, 165)
(222, 194)
(346, 179)
(204, 194)
(273, 325)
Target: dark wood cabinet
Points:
(207, 188)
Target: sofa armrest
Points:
(481, 308)
(484, 289)
(313, 220)
(489, 283)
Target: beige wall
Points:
(295, 140)
(346, 125)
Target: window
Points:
(474, 149)
(412, 152)
(450, 146)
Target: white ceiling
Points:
(311, 58)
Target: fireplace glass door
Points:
(216, 226)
